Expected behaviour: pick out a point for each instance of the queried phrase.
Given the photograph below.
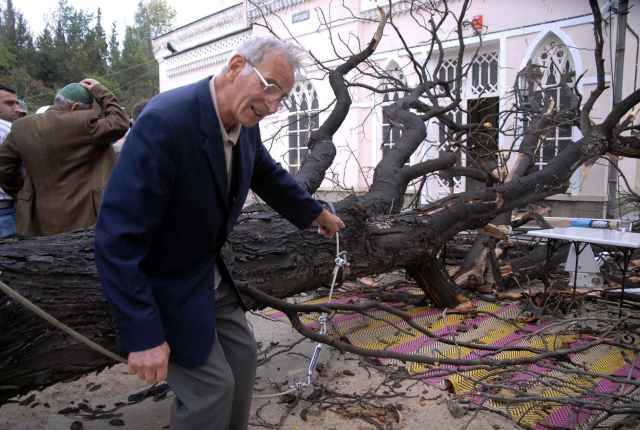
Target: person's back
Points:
(68, 157)
(65, 163)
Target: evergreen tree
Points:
(78, 34)
(133, 73)
(47, 66)
(96, 47)
(114, 48)
(9, 29)
(152, 18)
(26, 53)
(73, 45)
(24, 41)
(60, 48)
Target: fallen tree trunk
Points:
(58, 273)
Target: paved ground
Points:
(343, 398)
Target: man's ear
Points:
(236, 64)
(74, 106)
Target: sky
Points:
(121, 11)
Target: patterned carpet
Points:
(507, 389)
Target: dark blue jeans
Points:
(7, 222)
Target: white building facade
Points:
(556, 34)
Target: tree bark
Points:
(58, 273)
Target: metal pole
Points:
(626, 255)
(612, 186)
(635, 72)
(547, 262)
(576, 246)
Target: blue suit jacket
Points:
(166, 213)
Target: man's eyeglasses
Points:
(272, 91)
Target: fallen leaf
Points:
(367, 282)
(463, 308)
(509, 295)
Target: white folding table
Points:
(624, 241)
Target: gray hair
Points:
(65, 103)
(254, 49)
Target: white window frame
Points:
(299, 132)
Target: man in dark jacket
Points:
(9, 112)
(67, 158)
(174, 196)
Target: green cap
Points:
(76, 93)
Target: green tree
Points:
(60, 48)
(78, 51)
(152, 18)
(114, 47)
(9, 37)
(7, 59)
(25, 49)
(48, 67)
(137, 73)
(96, 47)
(73, 45)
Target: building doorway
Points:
(482, 146)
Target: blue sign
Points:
(300, 16)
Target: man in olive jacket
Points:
(67, 157)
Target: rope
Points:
(340, 262)
(283, 393)
(57, 323)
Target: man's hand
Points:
(328, 224)
(89, 84)
(151, 364)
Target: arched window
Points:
(484, 74)
(552, 61)
(303, 119)
(447, 72)
(391, 133)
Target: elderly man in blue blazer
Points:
(171, 202)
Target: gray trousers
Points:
(217, 395)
